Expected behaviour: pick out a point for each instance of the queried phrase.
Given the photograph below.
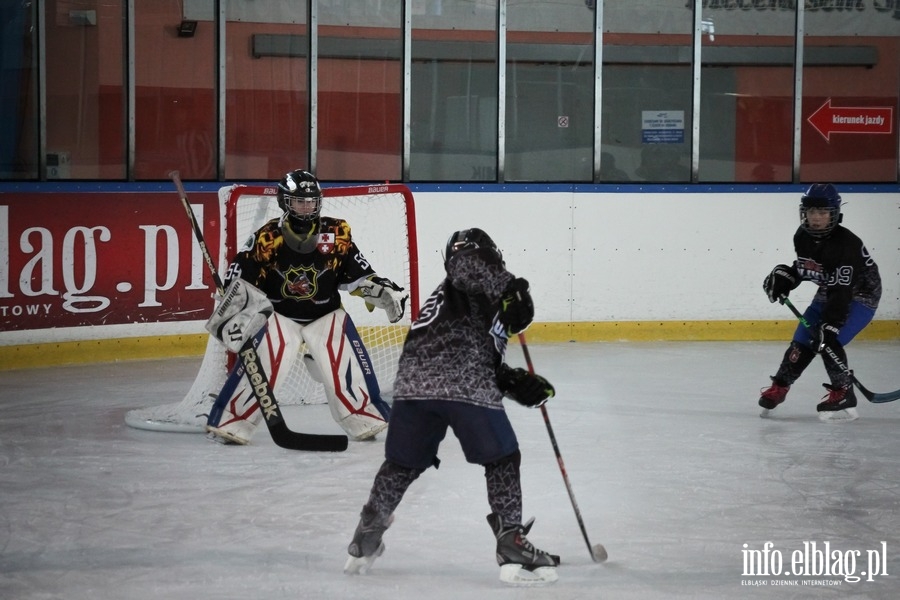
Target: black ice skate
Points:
(771, 397)
(839, 404)
(366, 545)
(520, 562)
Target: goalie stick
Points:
(250, 362)
(598, 552)
(870, 396)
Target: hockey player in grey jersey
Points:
(452, 374)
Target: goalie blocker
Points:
(242, 312)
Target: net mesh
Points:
(382, 224)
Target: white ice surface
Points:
(672, 469)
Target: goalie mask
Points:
(825, 198)
(300, 197)
(469, 239)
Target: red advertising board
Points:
(80, 259)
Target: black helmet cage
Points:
(303, 186)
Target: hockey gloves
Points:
(242, 312)
(385, 294)
(828, 336)
(516, 306)
(524, 387)
(781, 281)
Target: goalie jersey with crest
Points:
(302, 286)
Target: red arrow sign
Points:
(829, 119)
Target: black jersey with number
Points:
(841, 266)
(454, 348)
(302, 286)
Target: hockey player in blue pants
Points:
(452, 374)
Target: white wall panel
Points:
(663, 256)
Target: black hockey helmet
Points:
(300, 197)
(825, 196)
(468, 239)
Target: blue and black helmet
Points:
(825, 196)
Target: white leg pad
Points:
(277, 351)
(346, 375)
(240, 416)
(236, 430)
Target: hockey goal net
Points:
(382, 221)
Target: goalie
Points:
(285, 284)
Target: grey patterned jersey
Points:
(455, 346)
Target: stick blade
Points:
(882, 398)
(310, 442)
(874, 397)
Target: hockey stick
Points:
(251, 364)
(870, 396)
(598, 552)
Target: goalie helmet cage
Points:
(382, 222)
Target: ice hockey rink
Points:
(672, 469)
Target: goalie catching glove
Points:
(240, 315)
(385, 294)
(528, 389)
(516, 306)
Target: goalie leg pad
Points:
(240, 315)
(351, 386)
(236, 413)
(279, 350)
(238, 419)
(239, 429)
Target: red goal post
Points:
(383, 226)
